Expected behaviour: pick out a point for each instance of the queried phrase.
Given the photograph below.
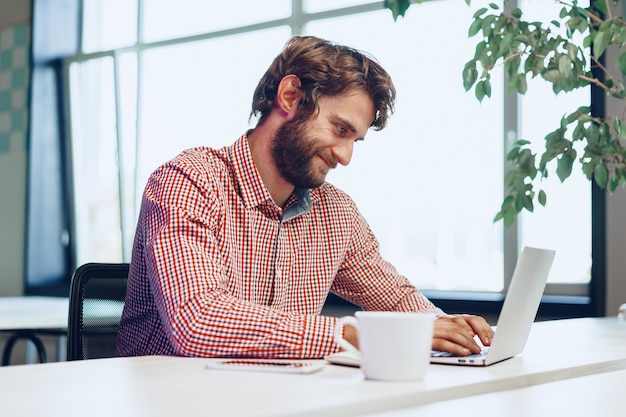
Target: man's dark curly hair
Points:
(325, 69)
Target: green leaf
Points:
(522, 84)
(480, 47)
(600, 42)
(572, 51)
(494, 6)
(620, 62)
(579, 131)
(601, 175)
(509, 178)
(620, 129)
(488, 29)
(592, 133)
(505, 45)
(480, 12)
(527, 203)
(564, 166)
(619, 94)
(516, 13)
(553, 76)
(542, 198)
(479, 91)
(578, 24)
(470, 75)
(565, 66)
(588, 170)
(487, 87)
(600, 6)
(512, 154)
(398, 7)
(509, 217)
(475, 27)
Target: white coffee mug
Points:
(393, 345)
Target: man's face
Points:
(304, 150)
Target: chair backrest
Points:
(96, 302)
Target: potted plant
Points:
(569, 52)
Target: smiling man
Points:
(236, 249)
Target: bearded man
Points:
(236, 249)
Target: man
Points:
(236, 249)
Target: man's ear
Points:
(289, 94)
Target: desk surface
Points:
(592, 395)
(34, 313)
(557, 351)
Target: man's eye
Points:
(341, 130)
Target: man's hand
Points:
(455, 334)
(351, 335)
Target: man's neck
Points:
(260, 141)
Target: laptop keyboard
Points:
(442, 354)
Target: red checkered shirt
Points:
(218, 269)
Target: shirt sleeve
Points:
(371, 282)
(188, 282)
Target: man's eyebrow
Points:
(346, 123)
(343, 121)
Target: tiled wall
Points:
(14, 81)
(14, 68)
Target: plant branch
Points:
(609, 14)
(595, 81)
(590, 15)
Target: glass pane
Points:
(94, 157)
(109, 24)
(127, 96)
(197, 94)
(430, 183)
(166, 19)
(565, 223)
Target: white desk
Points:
(25, 316)
(166, 386)
(599, 395)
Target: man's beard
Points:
(293, 152)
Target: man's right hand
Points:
(455, 334)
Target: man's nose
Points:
(343, 152)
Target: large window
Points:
(155, 77)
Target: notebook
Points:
(516, 317)
(518, 311)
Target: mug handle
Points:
(339, 332)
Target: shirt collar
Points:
(300, 205)
(251, 187)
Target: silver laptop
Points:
(518, 311)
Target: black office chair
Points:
(96, 302)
